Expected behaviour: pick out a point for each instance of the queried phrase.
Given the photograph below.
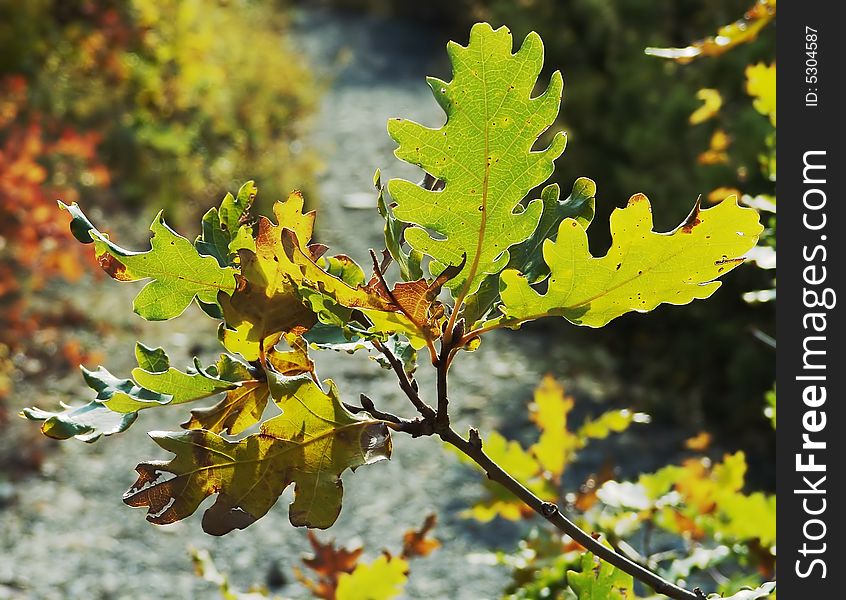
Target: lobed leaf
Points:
(243, 406)
(483, 155)
(641, 270)
(178, 273)
(408, 262)
(409, 308)
(526, 257)
(155, 383)
(309, 445)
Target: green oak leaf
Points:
(599, 580)
(641, 270)
(113, 410)
(579, 205)
(221, 225)
(309, 445)
(154, 360)
(483, 155)
(86, 423)
(117, 402)
(178, 272)
(183, 387)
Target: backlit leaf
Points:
(526, 257)
(408, 261)
(221, 225)
(410, 308)
(309, 445)
(641, 270)
(178, 273)
(243, 406)
(266, 304)
(483, 154)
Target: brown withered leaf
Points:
(410, 308)
(416, 542)
(328, 563)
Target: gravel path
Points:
(65, 534)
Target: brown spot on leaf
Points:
(692, 219)
(112, 266)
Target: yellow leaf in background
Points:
(549, 412)
(716, 152)
(699, 442)
(730, 474)
(728, 36)
(511, 456)
(761, 85)
(721, 193)
(382, 579)
(523, 466)
(711, 104)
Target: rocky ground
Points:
(65, 534)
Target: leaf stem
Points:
(405, 383)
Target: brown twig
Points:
(437, 422)
(552, 514)
(426, 411)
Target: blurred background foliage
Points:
(132, 105)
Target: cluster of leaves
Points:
(699, 506)
(182, 104)
(495, 259)
(337, 573)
